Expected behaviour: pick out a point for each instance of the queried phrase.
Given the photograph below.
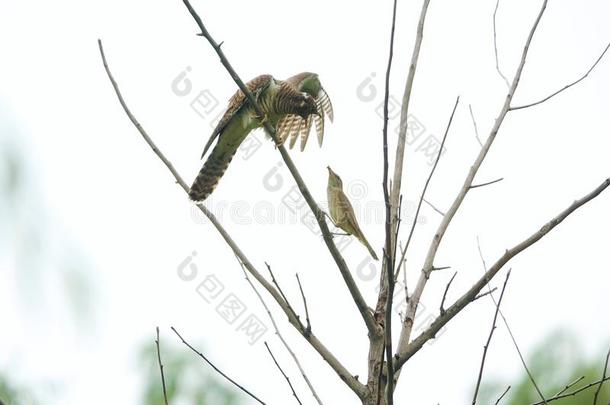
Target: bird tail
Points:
(211, 172)
(368, 246)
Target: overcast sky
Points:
(108, 191)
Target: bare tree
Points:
(386, 357)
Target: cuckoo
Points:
(291, 106)
(342, 212)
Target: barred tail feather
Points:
(211, 172)
(369, 247)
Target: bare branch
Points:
(496, 48)
(318, 213)
(599, 388)
(487, 183)
(442, 308)
(161, 368)
(510, 331)
(566, 86)
(308, 328)
(576, 392)
(486, 347)
(468, 297)
(407, 328)
(390, 232)
(217, 369)
(274, 281)
(486, 293)
(423, 193)
(279, 335)
(503, 394)
(570, 385)
(348, 378)
(404, 112)
(283, 373)
(442, 214)
(474, 123)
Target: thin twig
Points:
(277, 285)
(389, 222)
(407, 328)
(476, 127)
(573, 393)
(283, 373)
(486, 293)
(423, 193)
(496, 47)
(510, 331)
(308, 328)
(503, 394)
(404, 277)
(486, 347)
(217, 369)
(566, 86)
(414, 346)
(161, 368)
(599, 388)
(487, 183)
(311, 202)
(279, 335)
(336, 365)
(442, 214)
(442, 308)
(570, 385)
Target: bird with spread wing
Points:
(291, 106)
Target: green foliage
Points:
(188, 379)
(555, 363)
(11, 394)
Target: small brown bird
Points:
(342, 212)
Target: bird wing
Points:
(346, 218)
(236, 102)
(293, 126)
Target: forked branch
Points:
(317, 211)
(471, 294)
(341, 371)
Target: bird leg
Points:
(336, 226)
(262, 120)
(339, 234)
(331, 219)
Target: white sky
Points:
(109, 191)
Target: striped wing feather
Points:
(236, 102)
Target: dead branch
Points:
(486, 347)
(161, 368)
(468, 297)
(341, 371)
(283, 373)
(217, 369)
(318, 213)
(564, 88)
(442, 228)
(279, 335)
